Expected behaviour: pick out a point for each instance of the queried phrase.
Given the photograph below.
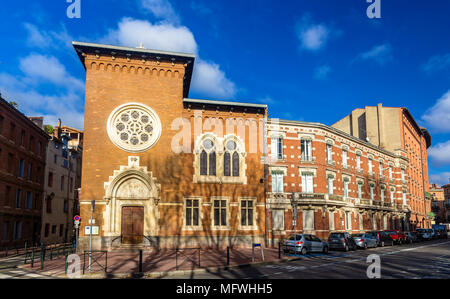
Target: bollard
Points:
(51, 253)
(17, 249)
(32, 257)
(66, 263)
(25, 248)
(279, 250)
(42, 261)
(6, 251)
(228, 255)
(140, 261)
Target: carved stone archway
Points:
(132, 185)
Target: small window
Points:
(47, 229)
(21, 168)
(53, 229)
(18, 198)
(29, 202)
(192, 212)
(50, 179)
(220, 213)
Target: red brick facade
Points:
(317, 205)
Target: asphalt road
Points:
(426, 260)
(9, 270)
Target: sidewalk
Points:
(157, 264)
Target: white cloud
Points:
(62, 101)
(41, 68)
(161, 9)
(52, 106)
(208, 78)
(440, 153)
(437, 63)
(440, 179)
(322, 72)
(437, 117)
(381, 54)
(314, 36)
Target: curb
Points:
(176, 272)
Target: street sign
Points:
(77, 218)
(77, 222)
(87, 230)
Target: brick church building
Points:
(165, 170)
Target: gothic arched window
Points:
(231, 159)
(235, 164)
(203, 163)
(227, 164)
(208, 158)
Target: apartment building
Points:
(394, 128)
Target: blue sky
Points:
(309, 60)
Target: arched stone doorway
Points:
(131, 214)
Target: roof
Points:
(223, 103)
(25, 118)
(82, 47)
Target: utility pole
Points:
(90, 234)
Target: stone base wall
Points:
(156, 242)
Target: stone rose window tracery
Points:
(134, 127)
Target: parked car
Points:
(303, 243)
(396, 235)
(382, 238)
(411, 237)
(364, 240)
(341, 241)
(424, 234)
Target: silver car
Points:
(365, 240)
(304, 244)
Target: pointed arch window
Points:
(208, 158)
(203, 163)
(227, 164)
(231, 159)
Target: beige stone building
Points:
(60, 202)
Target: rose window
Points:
(134, 127)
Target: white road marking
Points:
(33, 275)
(18, 272)
(3, 276)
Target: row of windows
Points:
(220, 212)
(62, 182)
(208, 159)
(53, 231)
(306, 155)
(17, 230)
(23, 169)
(278, 221)
(22, 199)
(308, 186)
(49, 205)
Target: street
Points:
(426, 260)
(9, 270)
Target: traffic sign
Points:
(76, 218)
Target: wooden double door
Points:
(132, 225)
